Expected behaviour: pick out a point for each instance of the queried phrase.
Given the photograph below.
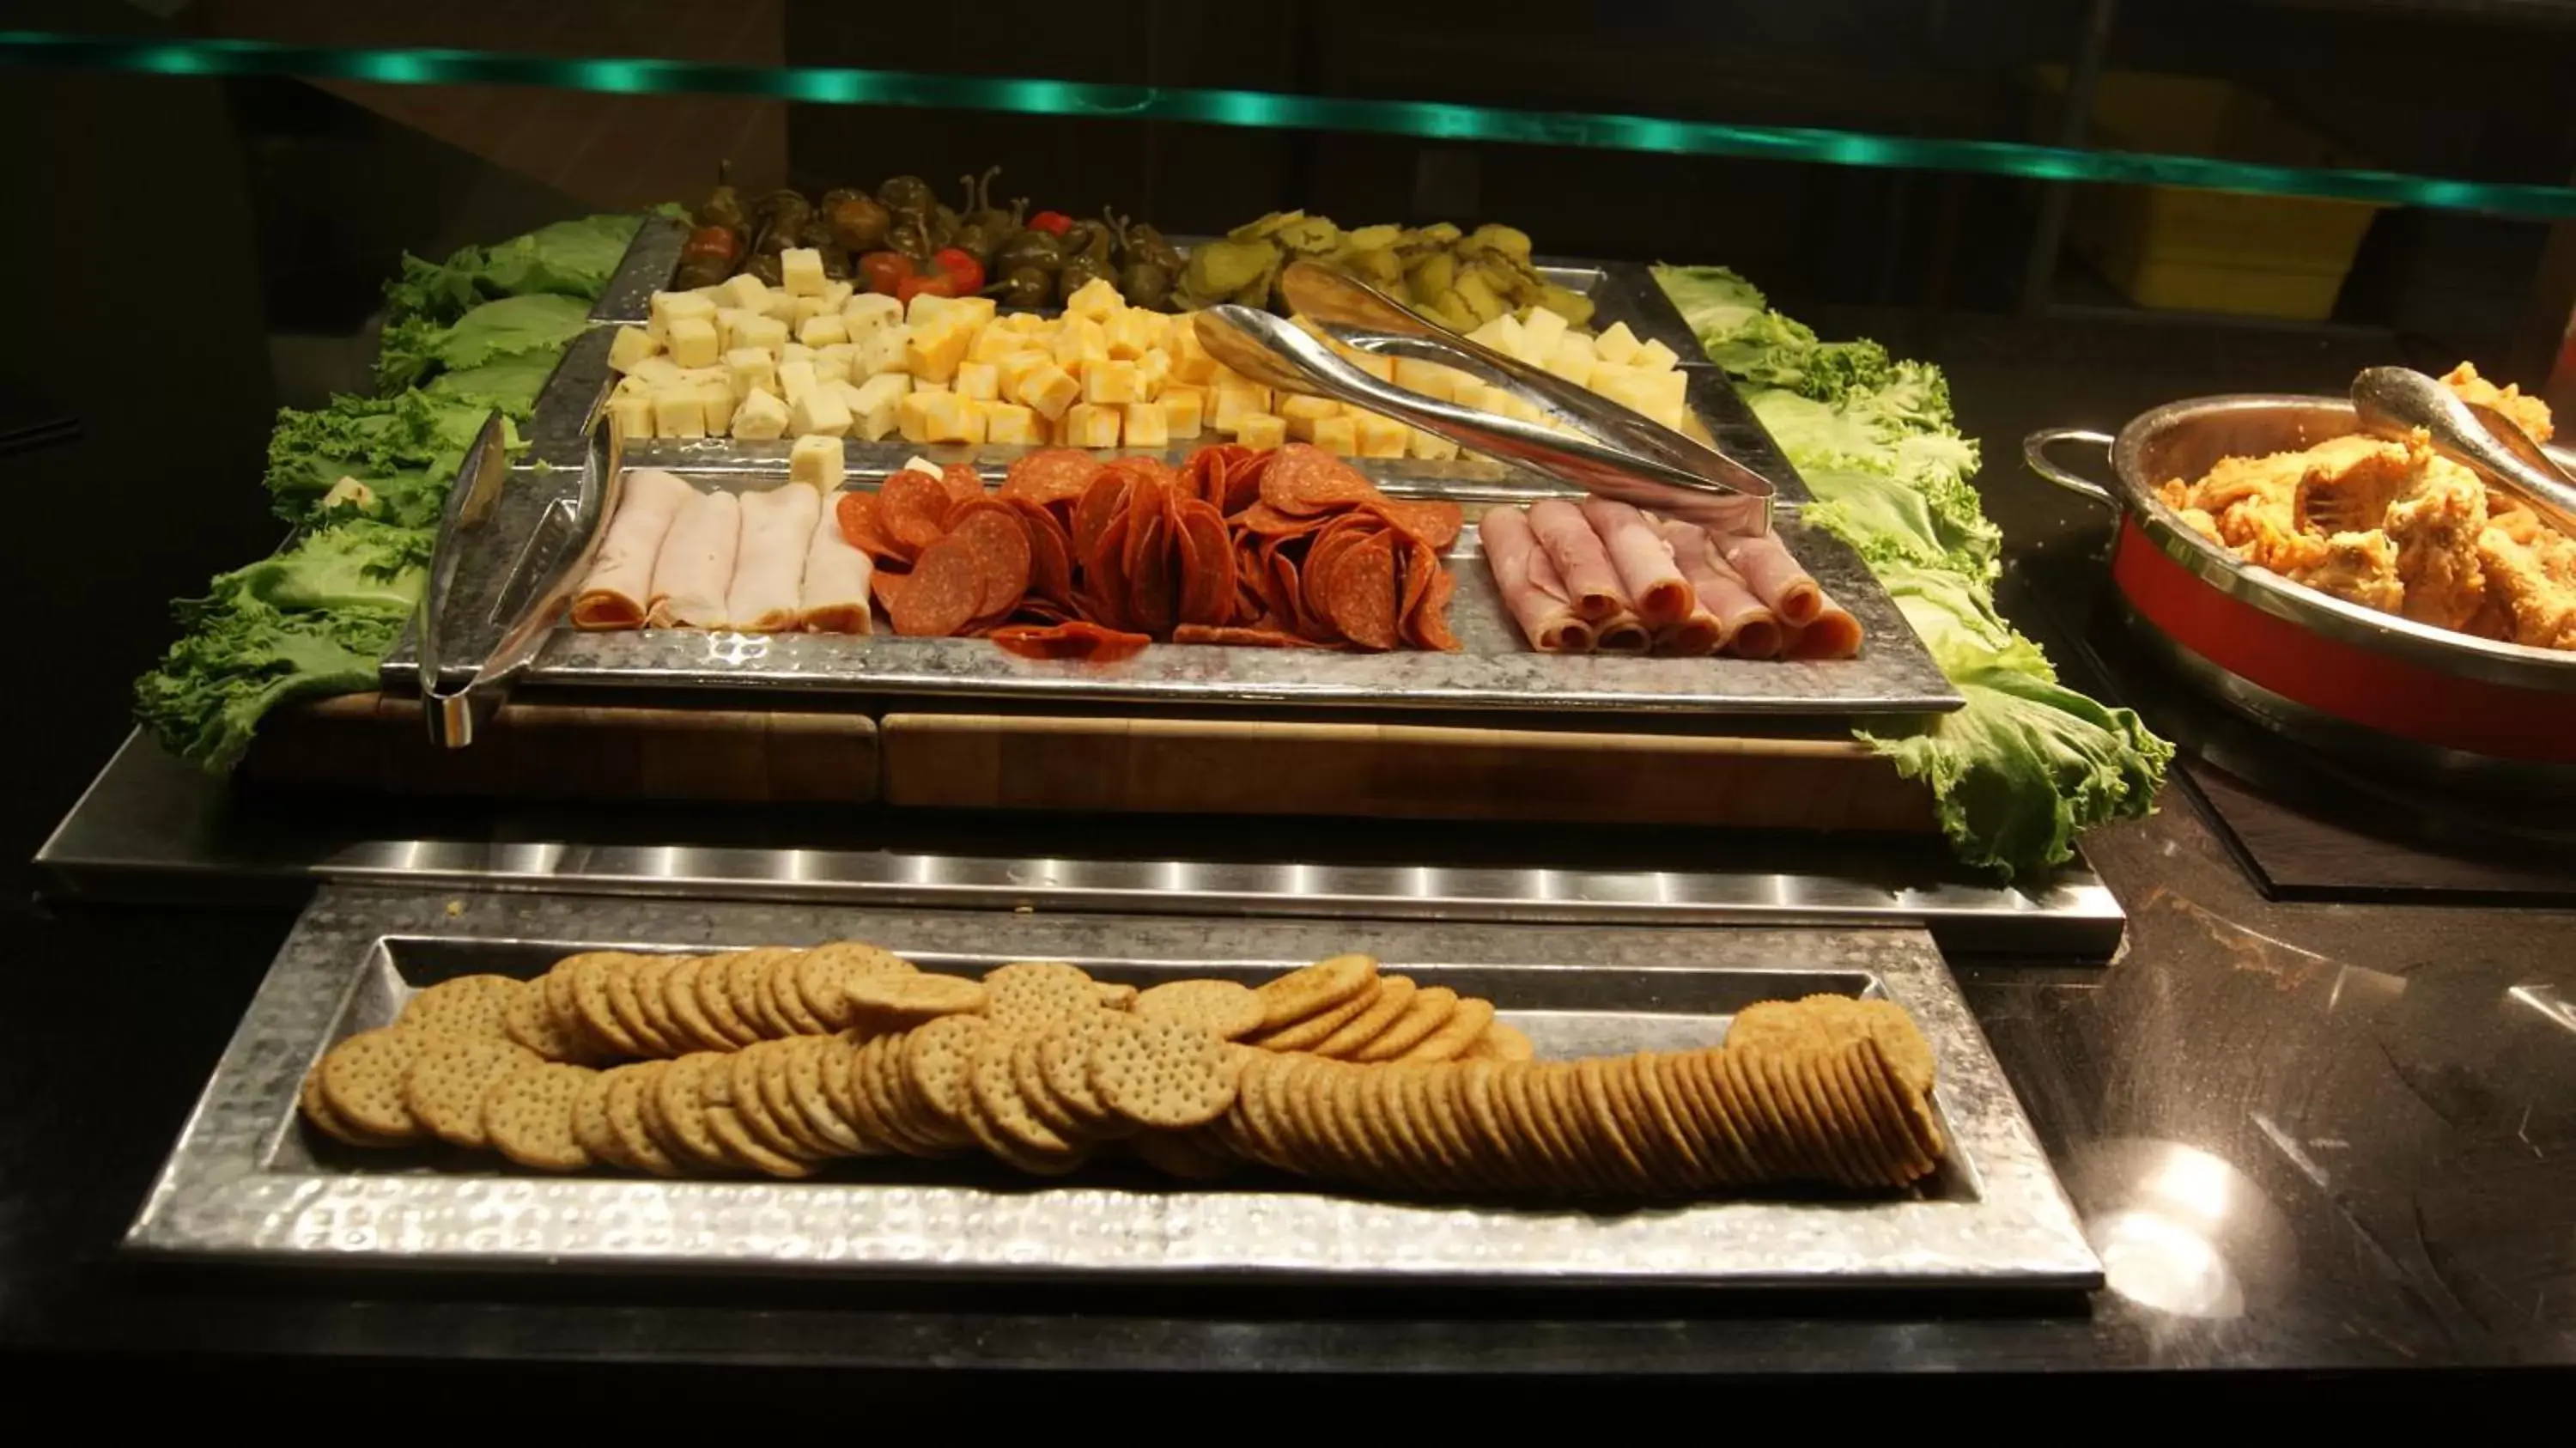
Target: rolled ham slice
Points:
(1530, 586)
(1832, 634)
(1643, 560)
(1622, 633)
(1772, 574)
(619, 589)
(1698, 635)
(769, 562)
(695, 566)
(1745, 626)
(1580, 559)
(834, 597)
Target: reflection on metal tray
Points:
(1495, 670)
(246, 1182)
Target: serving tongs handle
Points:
(1616, 453)
(2395, 402)
(455, 706)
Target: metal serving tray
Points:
(1495, 670)
(246, 1182)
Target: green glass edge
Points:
(1267, 111)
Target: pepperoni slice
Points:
(1430, 522)
(1051, 474)
(884, 585)
(1415, 567)
(1356, 590)
(1104, 500)
(942, 594)
(1428, 625)
(1151, 589)
(964, 486)
(1207, 584)
(1243, 481)
(1050, 551)
(1241, 638)
(991, 530)
(1086, 642)
(857, 514)
(1303, 478)
(912, 509)
(1103, 592)
(1268, 521)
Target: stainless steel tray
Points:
(1494, 671)
(245, 1182)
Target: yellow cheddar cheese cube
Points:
(1336, 435)
(1428, 378)
(1183, 411)
(1132, 334)
(1380, 437)
(1008, 422)
(760, 416)
(821, 330)
(1381, 368)
(1574, 367)
(679, 410)
(1095, 299)
(1079, 343)
(1088, 426)
(924, 306)
(1237, 400)
(1428, 446)
(1012, 368)
(979, 380)
(978, 311)
(935, 348)
(819, 463)
(1259, 430)
(693, 341)
(819, 413)
(1141, 424)
(1049, 390)
(913, 417)
(1109, 383)
(992, 344)
(1542, 329)
(630, 346)
(1190, 361)
(1617, 345)
(972, 421)
(1576, 344)
(1153, 371)
(800, 271)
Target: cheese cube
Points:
(1011, 369)
(882, 350)
(1668, 388)
(1304, 412)
(926, 305)
(1429, 446)
(779, 305)
(1008, 422)
(1574, 367)
(633, 412)
(1381, 437)
(925, 416)
(979, 380)
(1575, 344)
(1141, 424)
(1237, 400)
(693, 341)
(1259, 430)
(819, 463)
(727, 319)
(822, 330)
(760, 416)
(800, 270)
(819, 413)
(1049, 390)
(668, 307)
(1337, 435)
(679, 411)
(796, 352)
(835, 363)
(934, 349)
(873, 402)
(746, 291)
(1190, 361)
(719, 400)
(1183, 412)
(922, 465)
(1543, 330)
(992, 344)
(920, 386)
(1108, 383)
(1080, 342)
(766, 333)
(1617, 346)
(806, 309)
(1381, 368)
(1428, 378)
(978, 311)
(868, 311)
(657, 372)
(1059, 430)
(1670, 414)
(795, 379)
(1087, 425)
(978, 421)
(748, 369)
(837, 292)
(627, 386)
(1095, 299)
(1131, 333)
(1501, 334)
(1026, 322)
(630, 346)
(1654, 356)
(1152, 371)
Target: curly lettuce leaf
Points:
(413, 350)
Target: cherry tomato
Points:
(1053, 223)
(961, 268)
(886, 271)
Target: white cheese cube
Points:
(693, 341)
(779, 305)
(800, 269)
(867, 311)
(719, 400)
(656, 372)
(1541, 330)
(819, 413)
(822, 330)
(873, 403)
(667, 307)
(836, 362)
(1380, 437)
(882, 350)
(760, 416)
(1575, 344)
(679, 411)
(819, 463)
(1617, 346)
(766, 333)
(806, 309)
(926, 305)
(837, 293)
(750, 369)
(795, 379)
(630, 346)
(633, 412)
(746, 291)
(1574, 367)
(1654, 356)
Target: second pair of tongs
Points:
(1614, 453)
(456, 701)
(2397, 402)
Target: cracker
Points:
(589, 972)
(1914, 1106)
(860, 1095)
(783, 990)
(1302, 994)
(1766, 1135)
(1669, 1168)
(1465, 1024)
(1305, 1035)
(937, 1058)
(1382, 1108)
(527, 1115)
(1673, 1135)
(590, 1124)
(1192, 1156)
(807, 1088)
(821, 971)
(626, 1003)
(1394, 994)
(1228, 1010)
(469, 1005)
(1562, 1094)
(1412, 1088)
(918, 1129)
(1709, 1111)
(755, 1099)
(1515, 1098)
(1251, 1116)
(899, 1001)
(445, 1082)
(1036, 994)
(1064, 1058)
(1826, 1020)
(629, 1087)
(1158, 1073)
(679, 991)
(1479, 1092)
(743, 977)
(998, 1104)
(1504, 1041)
(1794, 1140)
(653, 995)
(1443, 1093)
(711, 988)
(1030, 1076)
(1811, 1110)
(555, 990)
(1113, 995)
(1430, 1008)
(319, 1115)
(362, 1082)
(725, 1125)
(526, 1019)
(1372, 1162)
(1311, 1147)
(679, 1110)
(1880, 1138)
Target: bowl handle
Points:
(2034, 451)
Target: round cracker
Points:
(1394, 996)
(821, 972)
(1465, 1025)
(653, 994)
(1430, 1009)
(629, 1089)
(592, 1006)
(528, 1115)
(747, 1092)
(526, 1019)
(1036, 994)
(1305, 1035)
(1308, 992)
(469, 1005)
(1191, 1156)
(626, 1002)
(743, 977)
(319, 1115)
(590, 1124)
(445, 1083)
(1229, 1010)
(937, 1060)
(710, 987)
(362, 1082)
(995, 1089)
(919, 997)
(1158, 1073)
(725, 1127)
(807, 1088)
(783, 991)
(678, 1112)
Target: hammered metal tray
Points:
(1495, 670)
(246, 1182)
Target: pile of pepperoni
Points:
(1082, 557)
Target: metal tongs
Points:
(1618, 454)
(455, 703)
(2394, 402)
